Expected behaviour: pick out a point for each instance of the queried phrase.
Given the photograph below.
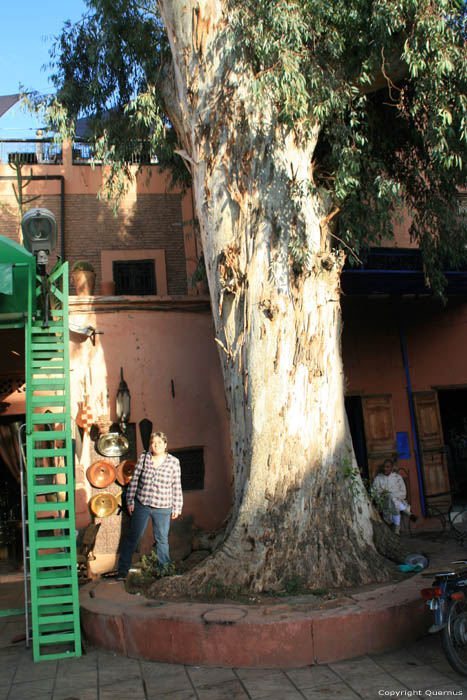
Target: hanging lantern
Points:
(123, 403)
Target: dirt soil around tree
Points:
(440, 547)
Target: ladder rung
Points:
(46, 401)
(57, 362)
(61, 605)
(41, 347)
(62, 595)
(44, 489)
(51, 523)
(48, 356)
(53, 618)
(47, 384)
(52, 638)
(59, 559)
(53, 327)
(59, 655)
(47, 418)
(39, 472)
(55, 542)
(35, 453)
(54, 577)
(51, 506)
(46, 435)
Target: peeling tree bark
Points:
(277, 324)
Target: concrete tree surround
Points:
(289, 634)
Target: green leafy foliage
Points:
(149, 572)
(384, 81)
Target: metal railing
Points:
(46, 152)
(83, 153)
(30, 151)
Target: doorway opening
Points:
(453, 412)
(354, 410)
(10, 494)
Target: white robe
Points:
(392, 487)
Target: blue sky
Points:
(26, 35)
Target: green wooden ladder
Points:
(54, 595)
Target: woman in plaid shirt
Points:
(155, 492)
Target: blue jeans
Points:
(160, 524)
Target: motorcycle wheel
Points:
(454, 636)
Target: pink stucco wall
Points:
(155, 348)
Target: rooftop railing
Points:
(44, 151)
(30, 151)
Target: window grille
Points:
(134, 277)
(192, 467)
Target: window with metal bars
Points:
(192, 467)
(134, 277)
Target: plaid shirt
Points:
(157, 487)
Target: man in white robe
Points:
(390, 491)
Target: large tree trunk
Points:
(274, 284)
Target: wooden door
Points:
(431, 445)
(380, 435)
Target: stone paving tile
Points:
(420, 677)
(162, 678)
(204, 675)
(375, 686)
(78, 664)
(32, 690)
(336, 691)
(28, 669)
(131, 689)
(87, 680)
(312, 676)
(175, 695)
(113, 668)
(397, 659)
(261, 683)
(11, 630)
(232, 689)
(446, 668)
(350, 669)
(77, 695)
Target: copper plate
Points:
(103, 504)
(112, 445)
(125, 471)
(101, 474)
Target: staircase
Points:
(54, 599)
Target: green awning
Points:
(6, 278)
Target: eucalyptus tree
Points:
(305, 127)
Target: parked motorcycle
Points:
(447, 598)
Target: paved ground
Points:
(416, 671)
(419, 670)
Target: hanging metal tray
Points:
(125, 471)
(101, 474)
(103, 505)
(112, 445)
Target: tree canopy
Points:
(385, 80)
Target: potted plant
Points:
(84, 278)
